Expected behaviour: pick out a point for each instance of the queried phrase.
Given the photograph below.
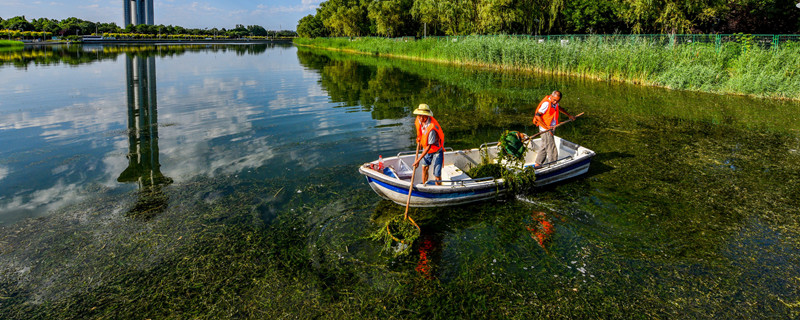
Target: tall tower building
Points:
(138, 12)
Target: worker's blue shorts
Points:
(436, 158)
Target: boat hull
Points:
(433, 196)
(458, 188)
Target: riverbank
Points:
(10, 43)
(730, 68)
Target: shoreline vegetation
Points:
(11, 43)
(740, 67)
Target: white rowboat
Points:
(393, 181)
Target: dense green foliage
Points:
(734, 67)
(465, 17)
(16, 27)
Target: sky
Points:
(270, 14)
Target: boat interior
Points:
(457, 162)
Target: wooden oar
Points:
(553, 128)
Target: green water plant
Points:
(397, 235)
(508, 165)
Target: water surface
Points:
(219, 181)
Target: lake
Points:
(208, 181)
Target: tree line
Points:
(75, 26)
(394, 18)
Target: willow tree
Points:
(540, 16)
(311, 26)
(345, 17)
(390, 17)
(427, 13)
(451, 15)
(670, 16)
(499, 16)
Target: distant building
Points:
(138, 12)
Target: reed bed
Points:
(11, 43)
(730, 68)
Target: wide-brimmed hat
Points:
(424, 110)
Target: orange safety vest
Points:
(418, 127)
(434, 126)
(552, 112)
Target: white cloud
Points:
(204, 8)
(305, 5)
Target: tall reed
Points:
(730, 68)
(11, 43)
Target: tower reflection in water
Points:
(143, 165)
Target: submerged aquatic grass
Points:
(680, 216)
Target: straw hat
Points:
(424, 110)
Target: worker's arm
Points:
(571, 117)
(424, 152)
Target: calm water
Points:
(217, 181)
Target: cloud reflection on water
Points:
(215, 117)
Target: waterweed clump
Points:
(397, 235)
(508, 165)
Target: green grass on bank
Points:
(10, 43)
(734, 68)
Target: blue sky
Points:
(271, 14)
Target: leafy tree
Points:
(108, 27)
(499, 16)
(18, 23)
(46, 25)
(287, 33)
(69, 26)
(311, 26)
(390, 17)
(452, 15)
(257, 30)
(759, 16)
(346, 17)
(591, 17)
(427, 12)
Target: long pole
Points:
(553, 128)
(411, 185)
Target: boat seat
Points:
(451, 172)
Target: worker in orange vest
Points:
(430, 138)
(546, 118)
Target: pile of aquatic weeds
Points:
(517, 178)
(397, 235)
